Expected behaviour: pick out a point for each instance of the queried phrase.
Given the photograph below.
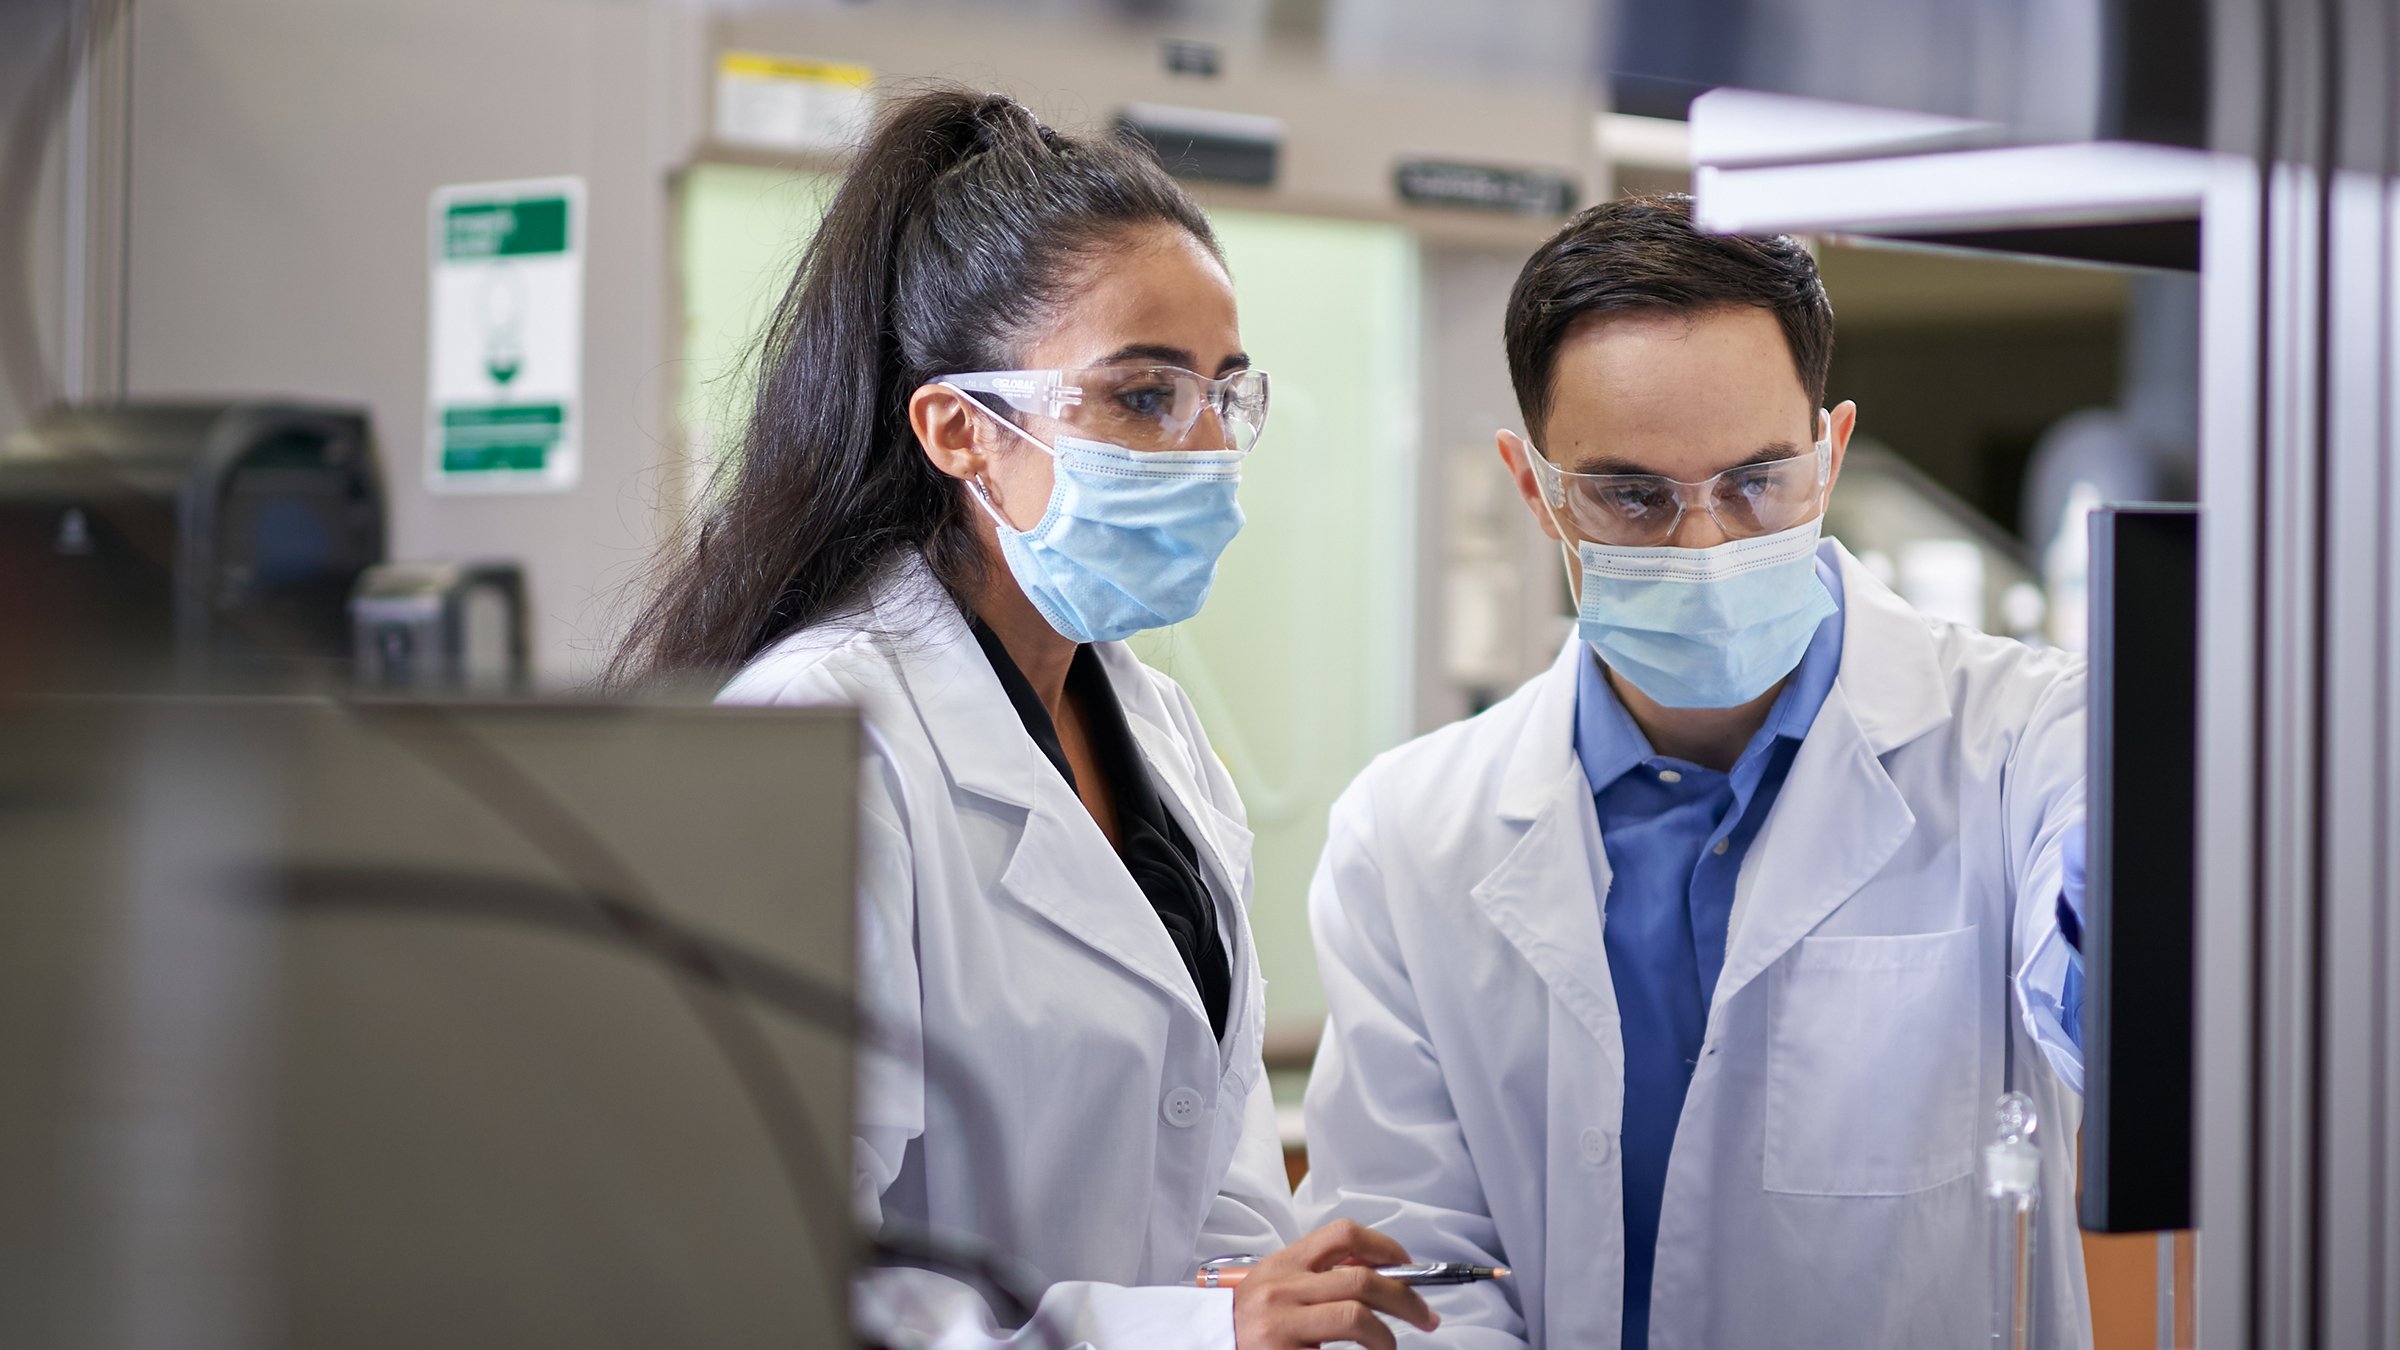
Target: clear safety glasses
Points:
(1641, 510)
(1142, 408)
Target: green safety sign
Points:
(505, 229)
(479, 440)
(505, 354)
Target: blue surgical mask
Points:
(1704, 627)
(1130, 540)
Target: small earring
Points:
(985, 500)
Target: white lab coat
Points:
(1123, 1142)
(1823, 1191)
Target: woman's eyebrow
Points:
(1148, 351)
(1171, 356)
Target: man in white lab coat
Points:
(1685, 980)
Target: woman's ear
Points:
(949, 430)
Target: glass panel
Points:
(1301, 664)
(742, 229)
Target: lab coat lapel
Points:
(1836, 822)
(965, 712)
(1059, 864)
(1223, 841)
(1839, 817)
(1064, 870)
(1546, 895)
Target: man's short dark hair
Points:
(1642, 255)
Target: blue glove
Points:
(2070, 899)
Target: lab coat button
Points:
(1595, 1146)
(1182, 1108)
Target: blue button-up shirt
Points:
(1675, 834)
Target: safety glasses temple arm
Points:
(1043, 392)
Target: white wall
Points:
(282, 158)
(282, 154)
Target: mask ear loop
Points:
(983, 490)
(1567, 559)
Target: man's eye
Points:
(1750, 486)
(1633, 500)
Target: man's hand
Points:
(1324, 1288)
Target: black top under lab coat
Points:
(1150, 843)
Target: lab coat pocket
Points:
(1873, 1049)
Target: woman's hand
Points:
(1324, 1288)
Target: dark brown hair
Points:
(1643, 255)
(958, 233)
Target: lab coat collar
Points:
(961, 701)
(1063, 869)
(952, 687)
(1546, 747)
(1224, 843)
(1060, 865)
(1837, 820)
(1839, 816)
(1545, 895)
(1225, 840)
(1890, 669)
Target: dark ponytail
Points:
(956, 234)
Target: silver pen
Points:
(1227, 1271)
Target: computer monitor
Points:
(2137, 1011)
(402, 1025)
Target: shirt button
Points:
(1722, 845)
(1594, 1144)
(1669, 776)
(1182, 1108)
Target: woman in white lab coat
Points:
(999, 425)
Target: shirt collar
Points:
(1610, 744)
(1607, 740)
